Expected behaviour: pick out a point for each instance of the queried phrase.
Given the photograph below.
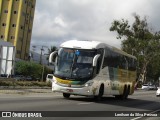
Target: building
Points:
(7, 58)
(16, 21)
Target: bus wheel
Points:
(101, 91)
(127, 92)
(124, 95)
(66, 95)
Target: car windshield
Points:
(74, 63)
(50, 76)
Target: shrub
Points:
(24, 83)
(32, 69)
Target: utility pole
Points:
(40, 62)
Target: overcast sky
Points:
(56, 21)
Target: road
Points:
(140, 102)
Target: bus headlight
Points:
(55, 81)
(88, 84)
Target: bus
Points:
(92, 68)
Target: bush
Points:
(24, 83)
(32, 69)
(6, 83)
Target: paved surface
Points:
(45, 100)
(31, 90)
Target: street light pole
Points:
(42, 72)
(41, 60)
(41, 55)
(42, 49)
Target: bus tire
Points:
(100, 94)
(125, 92)
(124, 95)
(66, 95)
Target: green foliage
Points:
(52, 49)
(24, 83)
(6, 83)
(28, 69)
(31, 69)
(141, 41)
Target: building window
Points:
(13, 25)
(5, 11)
(12, 37)
(2, 36)
(3, 24)
(22, 27)
(32, 6)
(15, 12)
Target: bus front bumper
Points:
(84, 91)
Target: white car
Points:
(49, 78)
(148, 87)
(158, 92)
(145, 87)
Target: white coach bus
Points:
(92, 68)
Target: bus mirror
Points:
(95, 60)
(52, 57)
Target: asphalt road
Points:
(139, 103)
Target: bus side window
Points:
(99, 62)
(107, 58)
(132, 64)
(126, 63)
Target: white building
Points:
(7, 58)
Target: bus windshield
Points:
(74, 64)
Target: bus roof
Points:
(86, 44)
(83, 44)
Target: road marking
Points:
(85, 103)
(136, 118)
(143, 116)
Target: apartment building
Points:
(16, 21)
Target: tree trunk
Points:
(142, 76)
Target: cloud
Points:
(60, 20)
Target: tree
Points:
(139, 40)
(52, 49)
